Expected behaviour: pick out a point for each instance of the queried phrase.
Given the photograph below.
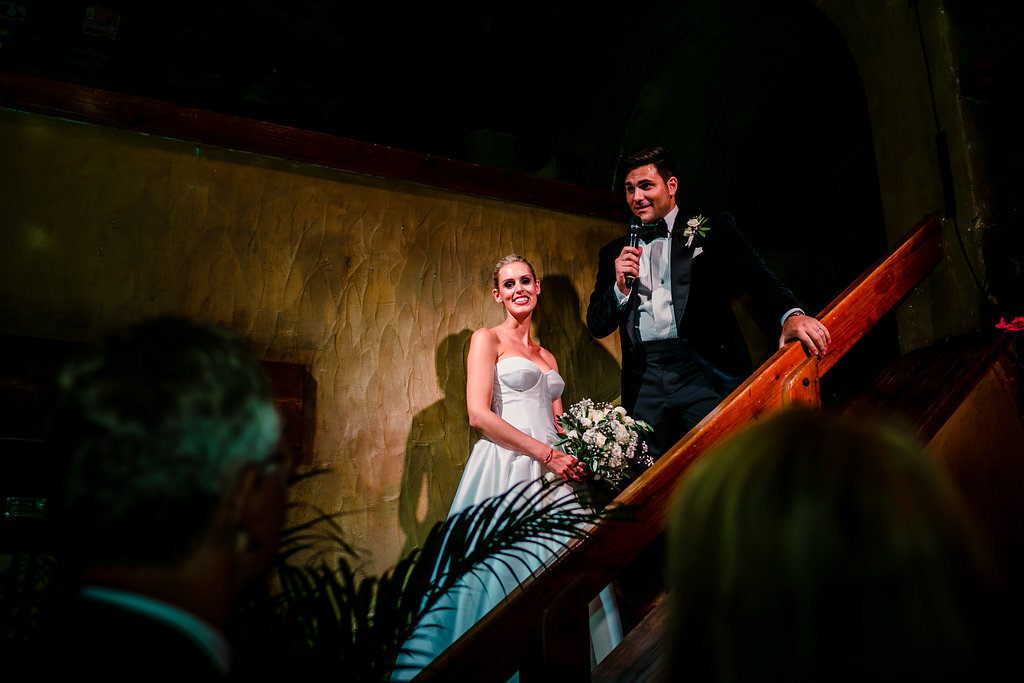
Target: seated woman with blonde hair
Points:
(812, 547)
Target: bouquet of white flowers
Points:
(605, 438)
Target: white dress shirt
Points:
(654, 293)
(654, 287)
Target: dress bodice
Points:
(522, 396)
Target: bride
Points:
(513, 394)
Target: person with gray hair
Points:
(174, 498)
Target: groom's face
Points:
(648, 195)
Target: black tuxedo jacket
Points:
(703, 288)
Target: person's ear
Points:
(257, 510)
(672, 185)
(496, 295)
(241, 504)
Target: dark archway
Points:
(805, 189)
(764, 109)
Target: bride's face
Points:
(517, 288)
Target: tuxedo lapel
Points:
(680, 269)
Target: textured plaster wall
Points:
(374, 285)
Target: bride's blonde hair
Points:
(511, 258)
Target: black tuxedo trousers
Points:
(676, 389)
(673, 384)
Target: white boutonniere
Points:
(696, 226)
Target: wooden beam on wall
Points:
(55, 98)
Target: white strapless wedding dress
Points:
(522, 396)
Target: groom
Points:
(682, 349)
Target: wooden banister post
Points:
(802, 386)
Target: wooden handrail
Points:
(499, 643)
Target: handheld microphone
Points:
(634, 241)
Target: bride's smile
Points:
(517, 287)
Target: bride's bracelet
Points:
(551, 454)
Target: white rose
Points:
(621, 433)
(693, 223)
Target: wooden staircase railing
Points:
(541, 629)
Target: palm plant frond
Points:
(334, 622)
(321, 617)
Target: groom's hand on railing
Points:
(811, 332)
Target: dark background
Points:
(759, 100)
(424, 77)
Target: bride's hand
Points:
(565, 466)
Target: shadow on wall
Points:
(588, 369)
(440, 438)
(437, 447)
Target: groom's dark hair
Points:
(649, 154)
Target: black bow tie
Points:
(655, 230)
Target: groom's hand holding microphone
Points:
(627, 266)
